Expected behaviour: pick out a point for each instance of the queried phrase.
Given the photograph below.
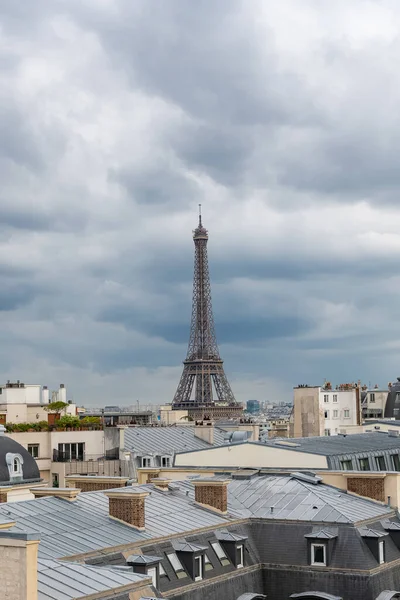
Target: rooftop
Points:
(70, 528)
(284, 497)
(63, 581)
(167, 440)
(338, 444)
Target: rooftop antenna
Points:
(200, 215)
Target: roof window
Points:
(216, 546)
(176, 565)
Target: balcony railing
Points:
(67, 457)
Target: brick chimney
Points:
(212, 493)
(128, 507)
(92, 483)
(18, 559)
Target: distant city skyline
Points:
(281, 119)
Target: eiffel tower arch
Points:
(203, 389)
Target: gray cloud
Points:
(118, 120)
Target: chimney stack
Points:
(69, 494)
(161, 483)
(205, 432)
(45, 395)
(128, 507)
(212, 493)
(18, 559)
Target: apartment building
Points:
(26, 403)
(323, 410)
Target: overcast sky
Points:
(117, 117)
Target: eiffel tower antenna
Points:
(203, 388)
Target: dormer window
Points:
(375, 542)
(165, 461)
(191, 556)
(146, 462)
(234, 544)
(318, 554)
(14, 464)
(320, 545)
(147, 565)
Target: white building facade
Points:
(340, 408)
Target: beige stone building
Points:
(62, 453)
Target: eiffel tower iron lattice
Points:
(203, 384)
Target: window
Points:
(176, 565)
(326, 414)
(335, 414)
(70, 452)
(346, 413)
(346, 465)
(14, 464)
(162, 571)
(165, 461)
(335, 397)
(327, 432)
(152, 572)
(380, 461)
(239, 556)
(396, 462)
(372, 397)
(207, 563)
(381, 552)
(198, 568)
(56, 481)
(220, 553)
(326, 398)
(33, 450)
(364, 464)
(318, 554)
(146, 461)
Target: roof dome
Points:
(16, 464)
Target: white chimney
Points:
(62, 393)
(45, 395)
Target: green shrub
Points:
(68, 421)
(90, 421)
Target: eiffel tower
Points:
(203, 389)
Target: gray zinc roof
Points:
(339, 444)
(69, 528)
(285, 497)
(67, 581)
(167, 440)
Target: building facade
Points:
(26, 403)
(253, 407)
(324, 411)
